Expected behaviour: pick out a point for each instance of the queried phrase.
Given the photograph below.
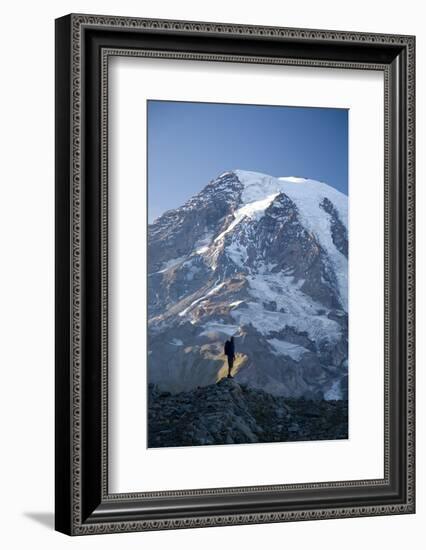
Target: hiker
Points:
(230, 353)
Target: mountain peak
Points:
(260, 256)
(257, 185)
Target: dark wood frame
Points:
(83, 46)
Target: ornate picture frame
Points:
(84, 45)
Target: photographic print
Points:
(247, 279)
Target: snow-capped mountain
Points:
(264, 259)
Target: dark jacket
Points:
(229, 348)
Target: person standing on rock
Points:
(230, 353)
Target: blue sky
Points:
(190, 144)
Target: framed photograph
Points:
(234, 274)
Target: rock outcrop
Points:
(229, 413)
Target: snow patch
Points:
(229, 330)
(294, 308)
(176, 342)
(293, 179)
(287, 348)
(202, 250)
(253, 210)
(198, 300)
(334, 393)
(168, 265)
(202, 245)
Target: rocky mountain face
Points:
(229, 413)
(261, 258)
